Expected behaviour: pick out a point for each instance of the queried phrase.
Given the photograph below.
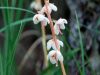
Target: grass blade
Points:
(16, 23)
(81, 45)
(20, 9)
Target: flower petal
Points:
(35, 20)
(32, 5)
(51, 53)
(61, 43)
(52, 61)
(53, 7)
(62, 26)
(54, 46)
(40, 18)
(59, 56)
(36, 5)
(47, 20)
(65, 21)
(49, 44)
(56, 29)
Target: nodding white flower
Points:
(60, 25)
(51, 44)
(51, 7)
(54, 56)
(36, 5)
(40, 18)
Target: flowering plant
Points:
(55, 54)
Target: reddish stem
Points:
(52, 28)
(63, 68)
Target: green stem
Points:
(44, 45)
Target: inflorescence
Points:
(54, 55)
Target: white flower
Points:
(40, 18)
(54, 56)
(36, 5)
(60, 25)
(51, 7)
(51, 44)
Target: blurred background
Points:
(21, 50)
